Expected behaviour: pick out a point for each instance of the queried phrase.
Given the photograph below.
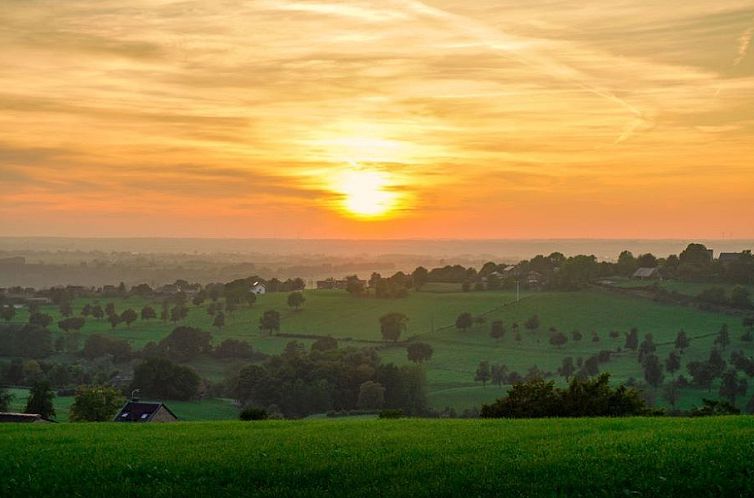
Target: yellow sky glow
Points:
(384, 118)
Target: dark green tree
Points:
(296, 299)
(732, 386)
(419, 352)
(148, 313)
(497, 330)
(95, 404)
(464, 321)
(129, 316)
(162, 379)
(681, 340)
(270, 321)
(40, 400)
(632, 339)
(673, 363)
(483, 373)
(392, 325)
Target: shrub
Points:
(251, 413)
(391, 414)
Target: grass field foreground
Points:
(576, 457)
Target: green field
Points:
(687, 288)
(450, 373)
(555, 457)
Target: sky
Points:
(377, 119)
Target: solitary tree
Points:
(532, 323)
(673, 363)
(652, 370)
(732, 386)
(98, 312)
(392, 325)
(148, 313)
(129, 316)
(632, 339)
(40, 400)
(114, 320)
(296, 299)
(270, 321)
(464, 321)
(681, 340)
(110, 309)
(419, 352)
(483, 373)
(646, 347)
(497, 331)
(558, 339)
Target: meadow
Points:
(552, 457)
(354, 321)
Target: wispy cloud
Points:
(743, 45)
(246, 110)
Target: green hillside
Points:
(576, 457)
(450, 373)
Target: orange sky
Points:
(276, 118)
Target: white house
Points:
(258, 288)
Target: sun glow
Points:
(366, 193)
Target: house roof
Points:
(21, 417)
(728, 257)
(140, 411)
(645, 272)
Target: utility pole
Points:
(518, 295)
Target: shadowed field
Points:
(565, 457)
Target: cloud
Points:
(743, 45)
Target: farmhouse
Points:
(258, 288)
(145, 411)
(22, 418)
(647, 274)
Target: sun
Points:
(366, 193)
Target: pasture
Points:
(552, 457)
(450, 373)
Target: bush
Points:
(583, 398)
(391, 414)
(251, 413)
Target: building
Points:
(145, 411)
(258, 288)
(22, 418)
(647, 274)
(729, 257)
